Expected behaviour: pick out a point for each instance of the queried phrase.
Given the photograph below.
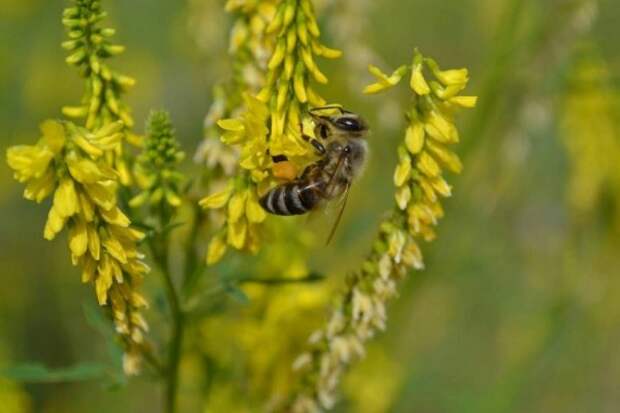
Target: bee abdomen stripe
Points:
(281, 207)
(292, 200)
(308, 198)
(267, 202)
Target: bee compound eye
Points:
(349, 124)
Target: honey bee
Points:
(340, 142)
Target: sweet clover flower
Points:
(250, 48)
(420, 185)
(69, 162)
(82, 167)
(89, 47)
(271, 126)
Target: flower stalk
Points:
(360, 311)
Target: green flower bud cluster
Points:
(155, 169)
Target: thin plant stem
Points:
(502, 63)
(171, 371)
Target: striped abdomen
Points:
(294, 198)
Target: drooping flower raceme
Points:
(361, 310)
(68, 162)
(282, 104)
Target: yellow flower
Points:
(590, 131)
(420, 185)
(271, 122)
(384, 81)
(89, 47)
(68, 161)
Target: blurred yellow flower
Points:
(590, 130)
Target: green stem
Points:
(176, 342)
(171, 371)
(501, 64)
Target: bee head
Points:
(342, 123)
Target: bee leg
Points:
(318, 146)
(279, 158)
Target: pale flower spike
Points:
(360, 311)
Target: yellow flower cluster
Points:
(155, 169)
(291, 68)
(250, 48)
(590, 130)
(361, 310)
(68, 162)
(89, 46)
(282, 103)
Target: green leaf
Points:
(236, 293)
(38, 373)
(310, 278)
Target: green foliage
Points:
(38, 373)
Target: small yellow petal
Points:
(104, 279)
(217, 249)
(54, 224)
(78, 238)
(403, 196)
(427, 165)
(442, 187)
(65, 198)
(217, 200)
(54, 134)
(414, 138)
(444, 127)
(418, 83)
(89, 266)
(38, 189)
(464, 101)
(236, 206)
(402, 172)
(237, 233)
(87, 146)
(84, 170)
(448, 158)
(173, 199)
(233, 125)
(115, 249)
(102, 194)
(94, 243)
(253, 211)
(115, 216)
(452, 76)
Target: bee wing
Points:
(345, 197)
(331, 186)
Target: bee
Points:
(340, 142)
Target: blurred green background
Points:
(519, 307)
